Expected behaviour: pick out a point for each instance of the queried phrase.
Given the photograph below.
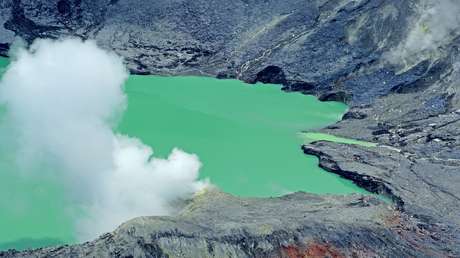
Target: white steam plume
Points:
(437, 23)
(63, 98)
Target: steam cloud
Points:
(437, 22)
(63, 99)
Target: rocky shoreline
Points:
(337, 50)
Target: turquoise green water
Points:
(313, 136)
(247, 138)
(31, 209)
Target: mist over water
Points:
(63, 99)
(65, 176)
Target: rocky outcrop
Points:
(414, 185)
(405, 100)
(313, 46)
(215, 224)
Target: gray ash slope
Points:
(403, 95)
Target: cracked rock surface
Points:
(215, 224)
(335, 49)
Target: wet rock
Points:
(335, 96)
(354, 114)
(4, 48)
(271, 74)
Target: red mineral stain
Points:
(313, 250)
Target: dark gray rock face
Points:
(406, 100)
(315, 44)
(215, 224)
